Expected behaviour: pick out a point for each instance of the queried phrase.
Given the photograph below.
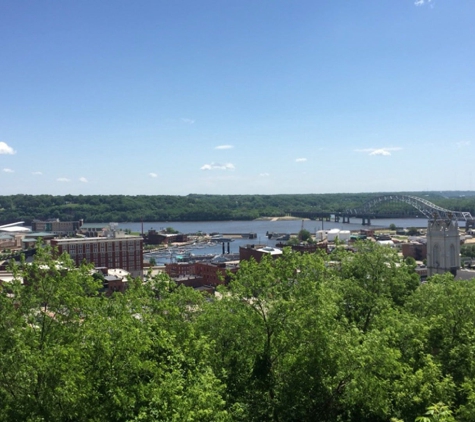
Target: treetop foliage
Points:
(292, 339)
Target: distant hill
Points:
(199, 207)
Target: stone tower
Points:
(443, 246)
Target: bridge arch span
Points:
(427, 208)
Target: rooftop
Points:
(97, 239)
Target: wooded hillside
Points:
(193, 207)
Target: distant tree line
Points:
(195, 207)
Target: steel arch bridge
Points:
(428, 209)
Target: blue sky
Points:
(236, 96)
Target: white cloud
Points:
(153, 174)
(462, 144)
(264, 174)
(224, 147)
(6, 149)
(63, 179)
(83, 179)
(8, 171)
(217, 166)
(187, 121)
(379, 151)
(422, 2)
(37, 173)
(300, 160)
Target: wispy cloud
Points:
(63, 179)
(153, 174)
(422, 2)
(83, 179)
(300, 160)
(187, 121)
(462, 144)
(8, 171)
(37, 173)
(264, 174)
(379, 151)
(6, 149)
(224, 147)
(217, 166)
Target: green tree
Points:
(438, 412)
(446, 308)
(374, 279)
(468, 251)
(70, 353)
(412, 231)
(304, 235)
(42, 376)
(279, 349)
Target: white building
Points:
(341, 235)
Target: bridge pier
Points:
(337, 218)
(346, 219)
(469, 224)
(366, 221)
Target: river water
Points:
(261, 228)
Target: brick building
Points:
(180, 269)
(215, 274)
(314, 247)
(117, 251)
(10, 241)
(417, 250)
(196, 274)
(257, 252)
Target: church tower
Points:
(443, 246)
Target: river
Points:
(261, 227)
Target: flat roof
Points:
(40, 234)
(96, 239)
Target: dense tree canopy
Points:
(338, 338)
(194, 207)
